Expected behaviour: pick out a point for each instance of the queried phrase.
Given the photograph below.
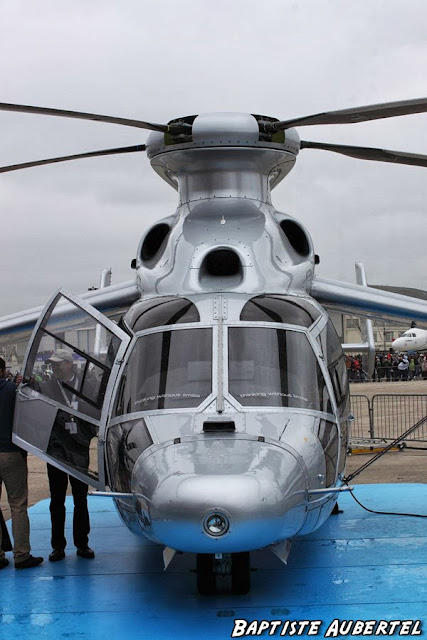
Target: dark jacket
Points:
(7, 406)
(64, 446)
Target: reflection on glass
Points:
(167, 370)
(160, 312)
(74, 442)
(71, 359)
(337, 369)
(125, 443)
(275, 367)
(280, 308)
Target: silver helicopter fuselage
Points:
(241, 444)
(222, 416)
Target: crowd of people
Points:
(389, 367)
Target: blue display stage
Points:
(358, 566)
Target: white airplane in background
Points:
(411, 340)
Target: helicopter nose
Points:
(222, 496)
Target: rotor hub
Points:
(224, 130)
(221, 152)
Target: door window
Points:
(61, 405)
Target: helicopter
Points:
(218, 401)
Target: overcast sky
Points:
(156, 60)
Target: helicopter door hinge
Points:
(220, 308)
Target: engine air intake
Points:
(153, 242)
(222, 262)
(296, 236)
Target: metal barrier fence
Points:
(387, 416)
(361, 428)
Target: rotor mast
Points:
(226, 157)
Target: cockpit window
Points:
(167, 370)
(276, 308)
(337, 369)
(161, 312)
(275, 367)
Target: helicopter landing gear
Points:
(206, 578)
(212, 569)
(240, 573)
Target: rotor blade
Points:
(80, 115)
(369, 153)
(90, 154)
(357, 114)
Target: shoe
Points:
(3, 563)
(57, 554)
(28, 563)
(85, 552)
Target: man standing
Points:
(403, 367)
(69, 443)
(14, 473)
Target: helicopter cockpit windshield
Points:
(171, 367)
(275, 368)
(167, 370)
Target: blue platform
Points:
(358, 566)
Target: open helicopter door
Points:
(70, 369)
